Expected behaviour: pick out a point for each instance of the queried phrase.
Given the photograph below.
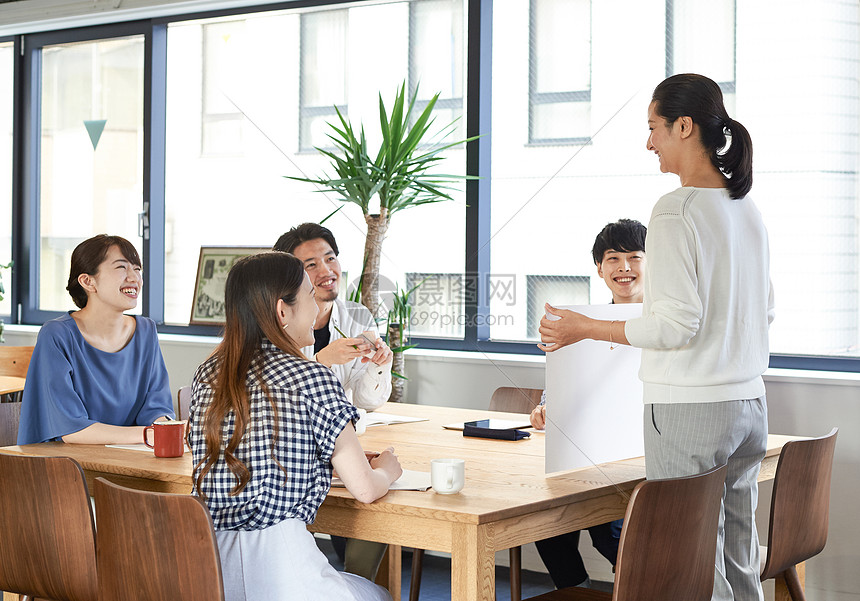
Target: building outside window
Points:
(560, 71)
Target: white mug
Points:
(447, 476)
(361, 422)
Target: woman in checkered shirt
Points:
(266, 427)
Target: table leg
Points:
(390, 571)
(473, 563)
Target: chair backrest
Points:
(183, 402)
(515, 400)
(10, 417)
(800, 505)
(47, 545)
(669, 539)
(154, 546)
(14, 360)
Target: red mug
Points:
(168, 438)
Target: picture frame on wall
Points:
(207, 307)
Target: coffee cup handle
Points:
(450, 477)
(145, 441)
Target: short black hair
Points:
(304, 233)
(624, 235)
(87, 257)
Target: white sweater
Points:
(708, 299)
(367, 385)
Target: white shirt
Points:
(708, 299)
(367, 385)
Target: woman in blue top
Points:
(266, 427)
(97, 375)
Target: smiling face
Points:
(322, 267)
(301, 315)
(117, 282)
(663, 140)
(622, 272)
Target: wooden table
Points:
(11, 384)
(507, 500)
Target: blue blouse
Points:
(72, 385)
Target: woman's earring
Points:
(286, 325)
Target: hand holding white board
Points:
(594, 398)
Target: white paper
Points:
(385, 419)
(594, 398)
(408, 480)
(132, 447)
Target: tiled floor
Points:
(436, 577)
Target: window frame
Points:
(478, 113)
(537, 99)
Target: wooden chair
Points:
(155, 546)
(14, 360)
(515, 400)
(668, 543)
(47, 538)
(183, 402)
(799, 509)
(508, 399)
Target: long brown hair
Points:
(254, 285)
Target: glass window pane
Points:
(562, 46)
(6, 90)
(91, 152)
(712, 53)
(316, 52)
(556, 120)
(549, 202)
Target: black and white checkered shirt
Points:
(312, 412)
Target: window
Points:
(222, 122)
(560, 103)
(316, 53)
(323, 76)
(560, 71)
(555, 290)
(436, 34)
(7, 56)
(91, 152)
(692, 52)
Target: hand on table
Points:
(387, 462)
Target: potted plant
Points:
(400, 175)
(2, 294)
(398, 328)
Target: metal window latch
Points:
(143, 222)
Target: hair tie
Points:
(727, 123)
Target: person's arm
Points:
(99, 433)
(572, 327)
(366, 481)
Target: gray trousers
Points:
(689, 438)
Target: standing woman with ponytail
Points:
(704, 326)
(266, 427)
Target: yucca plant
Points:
(399, 175)
(398, 325)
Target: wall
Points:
(799, 403)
